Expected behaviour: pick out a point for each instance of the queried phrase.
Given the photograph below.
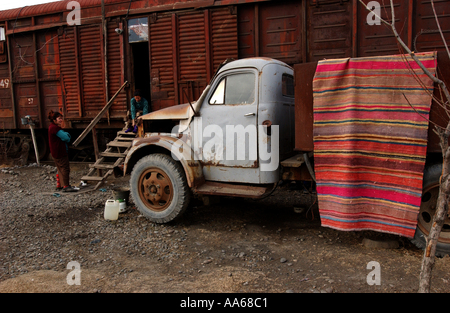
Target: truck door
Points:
(227, 132)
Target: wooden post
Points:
(33, 136)
(96, 150)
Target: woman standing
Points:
(58, 140)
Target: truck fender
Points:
(171, 146)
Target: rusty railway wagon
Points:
(170, 50)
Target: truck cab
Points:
(228, 142)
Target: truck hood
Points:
(182, 112)
(177, 112)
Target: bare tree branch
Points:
(439, 27)
(406, 48)
(432, 96)
(425, 118)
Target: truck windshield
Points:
(235, 89)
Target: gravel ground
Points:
(234, 245)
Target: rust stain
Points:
(6, 113)
(192, 168)
(146, 141)
(222, 188)
(175, 112)
(207, 164)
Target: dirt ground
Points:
(232, 246)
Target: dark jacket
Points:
(58, 147)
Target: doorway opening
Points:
(141, 69)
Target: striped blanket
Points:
(370, 143)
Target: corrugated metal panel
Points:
(271, 30)
(329, 29)
(183, 48)
(92, 74)
(161, 62)
(49, 73)
(224, 36)
(378, 39)
(26, 100)
(51, 99)
(90, 8)
(18, 23)
(116, 70)
(246, 28)
(6, 109)
(187, 46)
(69, 72)
(24, 78)
(52, 7)
(23, 58)
(280, 31)
(3, 47)
(191, 56)
(49, 19)
(428, 38)
(48, 55)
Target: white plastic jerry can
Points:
(111, 210)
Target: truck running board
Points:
(234, 190)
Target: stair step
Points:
(224, 189)
(115, 143)
(125, 138)
(102, 166)
(123, 133)
(113, 154)
(92, 178)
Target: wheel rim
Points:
(427, 211)
(156, 190)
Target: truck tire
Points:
(159, 188)
(430, 192)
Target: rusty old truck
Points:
(251, 127)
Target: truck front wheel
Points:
(159, 188)
(430, 192)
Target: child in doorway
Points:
(139, 106)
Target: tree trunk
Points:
(438, 219)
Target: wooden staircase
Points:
(112, 157)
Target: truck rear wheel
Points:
(159, 188)
(430, 194)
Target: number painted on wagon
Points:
(4, 83)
